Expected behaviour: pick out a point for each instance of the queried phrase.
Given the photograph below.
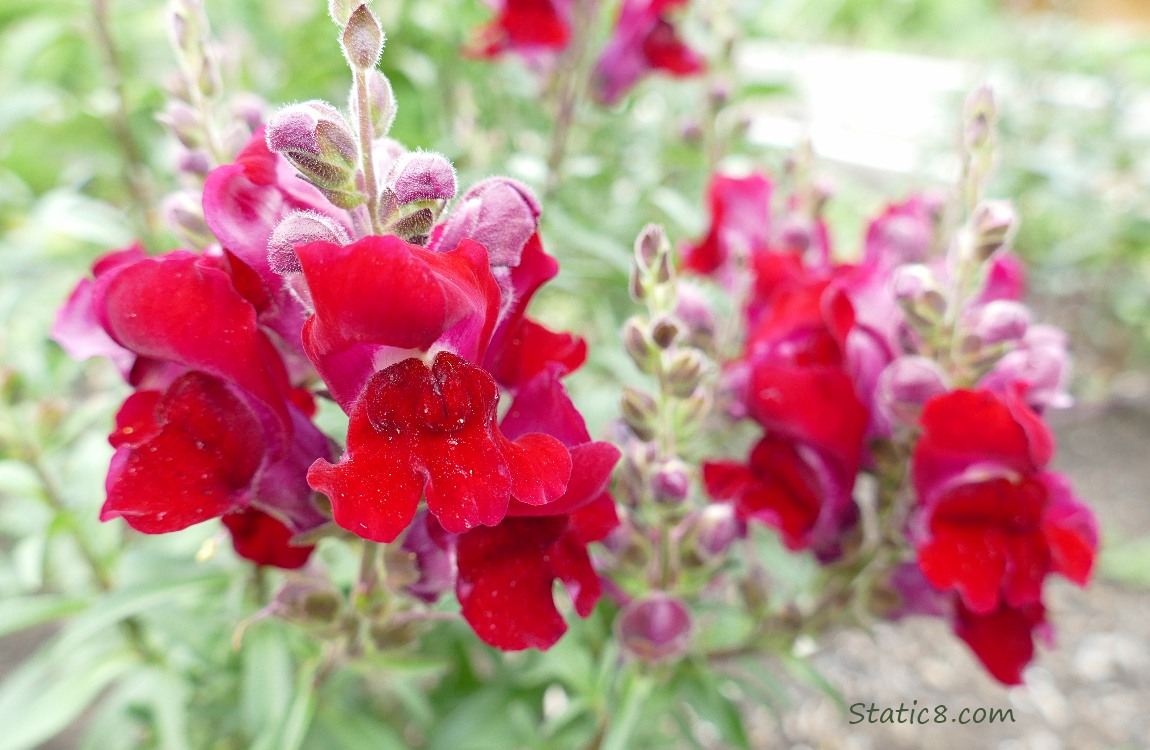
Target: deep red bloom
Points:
(214, 426)
(740, 223)
(994, 523)
(506, 575)
(417, 430)
(1002, 639)
(265, 540)
(379, 300)
(644, 40)
(526, 27)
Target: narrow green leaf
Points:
(302, 709)
(26, 612)
(637, 689)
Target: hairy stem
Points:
(365, 150)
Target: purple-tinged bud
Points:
(639, 412)
(317, 140)
(993, 224)
(184, 123)
(979, 115)
(694, 310)
(905, 385)
(308, 601)
(998, 322)
(362, 39)
(195, 162)
(918, 294)
(1041, 362)
(672, 483)
(300, 228)
(665, 330)
(654, 628)
(686, 371)
(649, 245)
(638, 344)
(422, 176)
(433, 550)
(380, 102)
(249, 109)
(499, 213)
(415, 225)
(716, 529)
(183, 212)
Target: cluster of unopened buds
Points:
(894, 404)
(353, 285)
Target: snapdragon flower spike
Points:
(532, 29)
(994, 523)
(644, 40)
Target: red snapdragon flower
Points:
(644, 40)
(994, 523)
(214, 426)
(526, 27)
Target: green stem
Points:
(571, 80)
(135, 172)
(365, 149)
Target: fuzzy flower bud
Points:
(182, 212)
(671, 483)
(300, 228)
(905, 385)
(664, 330)
(380, 103)
(341, 10)
(1000, 321)
(993, 223)
(362, 39)
(422, 176)
(317, 140)
(654, 628)
(918, 293)
(637, 342)
(639, 412)
(686, 372)
(499, 213)
(716, 528)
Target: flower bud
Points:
(195, 162)
(308, 601)
(380, 103)
(414, 225)
(979, 115)
(395, 634)
(317, 140)
(694, 310)
(671, 484)
(999, 322)
(182, 211)
(362, 39)
(755, 588)
(248, 109)
(664, 330)
(639, 412)
(184, 123)
(422, 176)
(499, 213)
(716, 528)
(696, 406)
(918, 294)
(300, 228)
(654, 628)
(686, 372)
(637, 342)
(649, 245)
(993, 222)
(905, 385)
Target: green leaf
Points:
(266, 681)
(298, 719)
(1127, 562)
(702, 690)
(46, 694)
(636, 690)
(25, 612)
(803, 670)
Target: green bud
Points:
(637, 342)
(686, 372)
(639, 412)
(413, 225)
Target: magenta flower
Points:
(529, 28)
(644, 40)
